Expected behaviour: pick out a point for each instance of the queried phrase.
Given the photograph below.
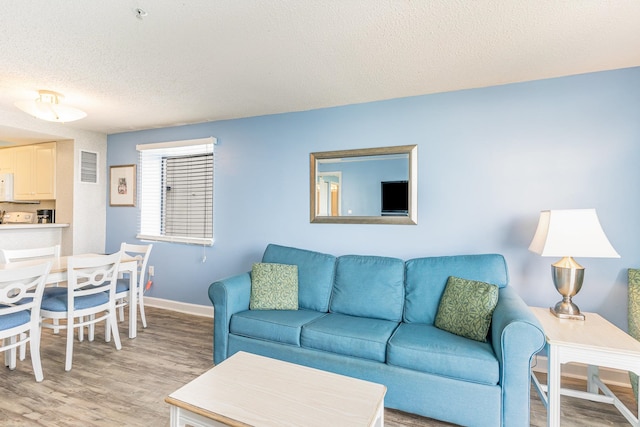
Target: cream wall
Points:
(81, 205)
(89, 200)
(64, 191)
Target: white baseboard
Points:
(182, 307)
(579, 370)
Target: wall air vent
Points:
(89, 167)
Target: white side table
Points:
(594, 342)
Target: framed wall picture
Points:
(122, 185)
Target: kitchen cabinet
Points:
(6, 160)
(34, 169)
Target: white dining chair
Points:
(89, 298)
(141, 254)
(20, 298)
(14, 255)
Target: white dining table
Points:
(58, 274)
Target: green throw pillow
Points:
(466, 307)
(274, 287)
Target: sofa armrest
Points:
(229, 296)
(516, 336)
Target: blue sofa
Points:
(372, 318)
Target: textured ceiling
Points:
(202, 60)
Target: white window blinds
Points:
(176, 191)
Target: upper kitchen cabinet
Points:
(6, 160)
(34, 169)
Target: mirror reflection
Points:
(368, 186)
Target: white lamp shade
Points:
(571, 233)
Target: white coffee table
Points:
(251, 390)
(594, 342)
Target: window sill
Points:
(176, 239)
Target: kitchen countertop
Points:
(30, 226)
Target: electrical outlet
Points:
(151, 270)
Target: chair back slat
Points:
(13, 255)
(89, 275)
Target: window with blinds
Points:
(175, 185)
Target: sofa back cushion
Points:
(315, 274)
(369, 286)
(426, 279)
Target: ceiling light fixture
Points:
(47, 107)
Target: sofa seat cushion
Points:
(361, 337)
(429, 349)
(283, 326)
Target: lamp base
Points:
(564, 310)
(567, 278)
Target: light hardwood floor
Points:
(107, 387)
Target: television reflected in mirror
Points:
(394, 196)
(364, 186)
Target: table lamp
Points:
(567, 234)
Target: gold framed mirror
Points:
(365, 186)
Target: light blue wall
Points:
(488, 161)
